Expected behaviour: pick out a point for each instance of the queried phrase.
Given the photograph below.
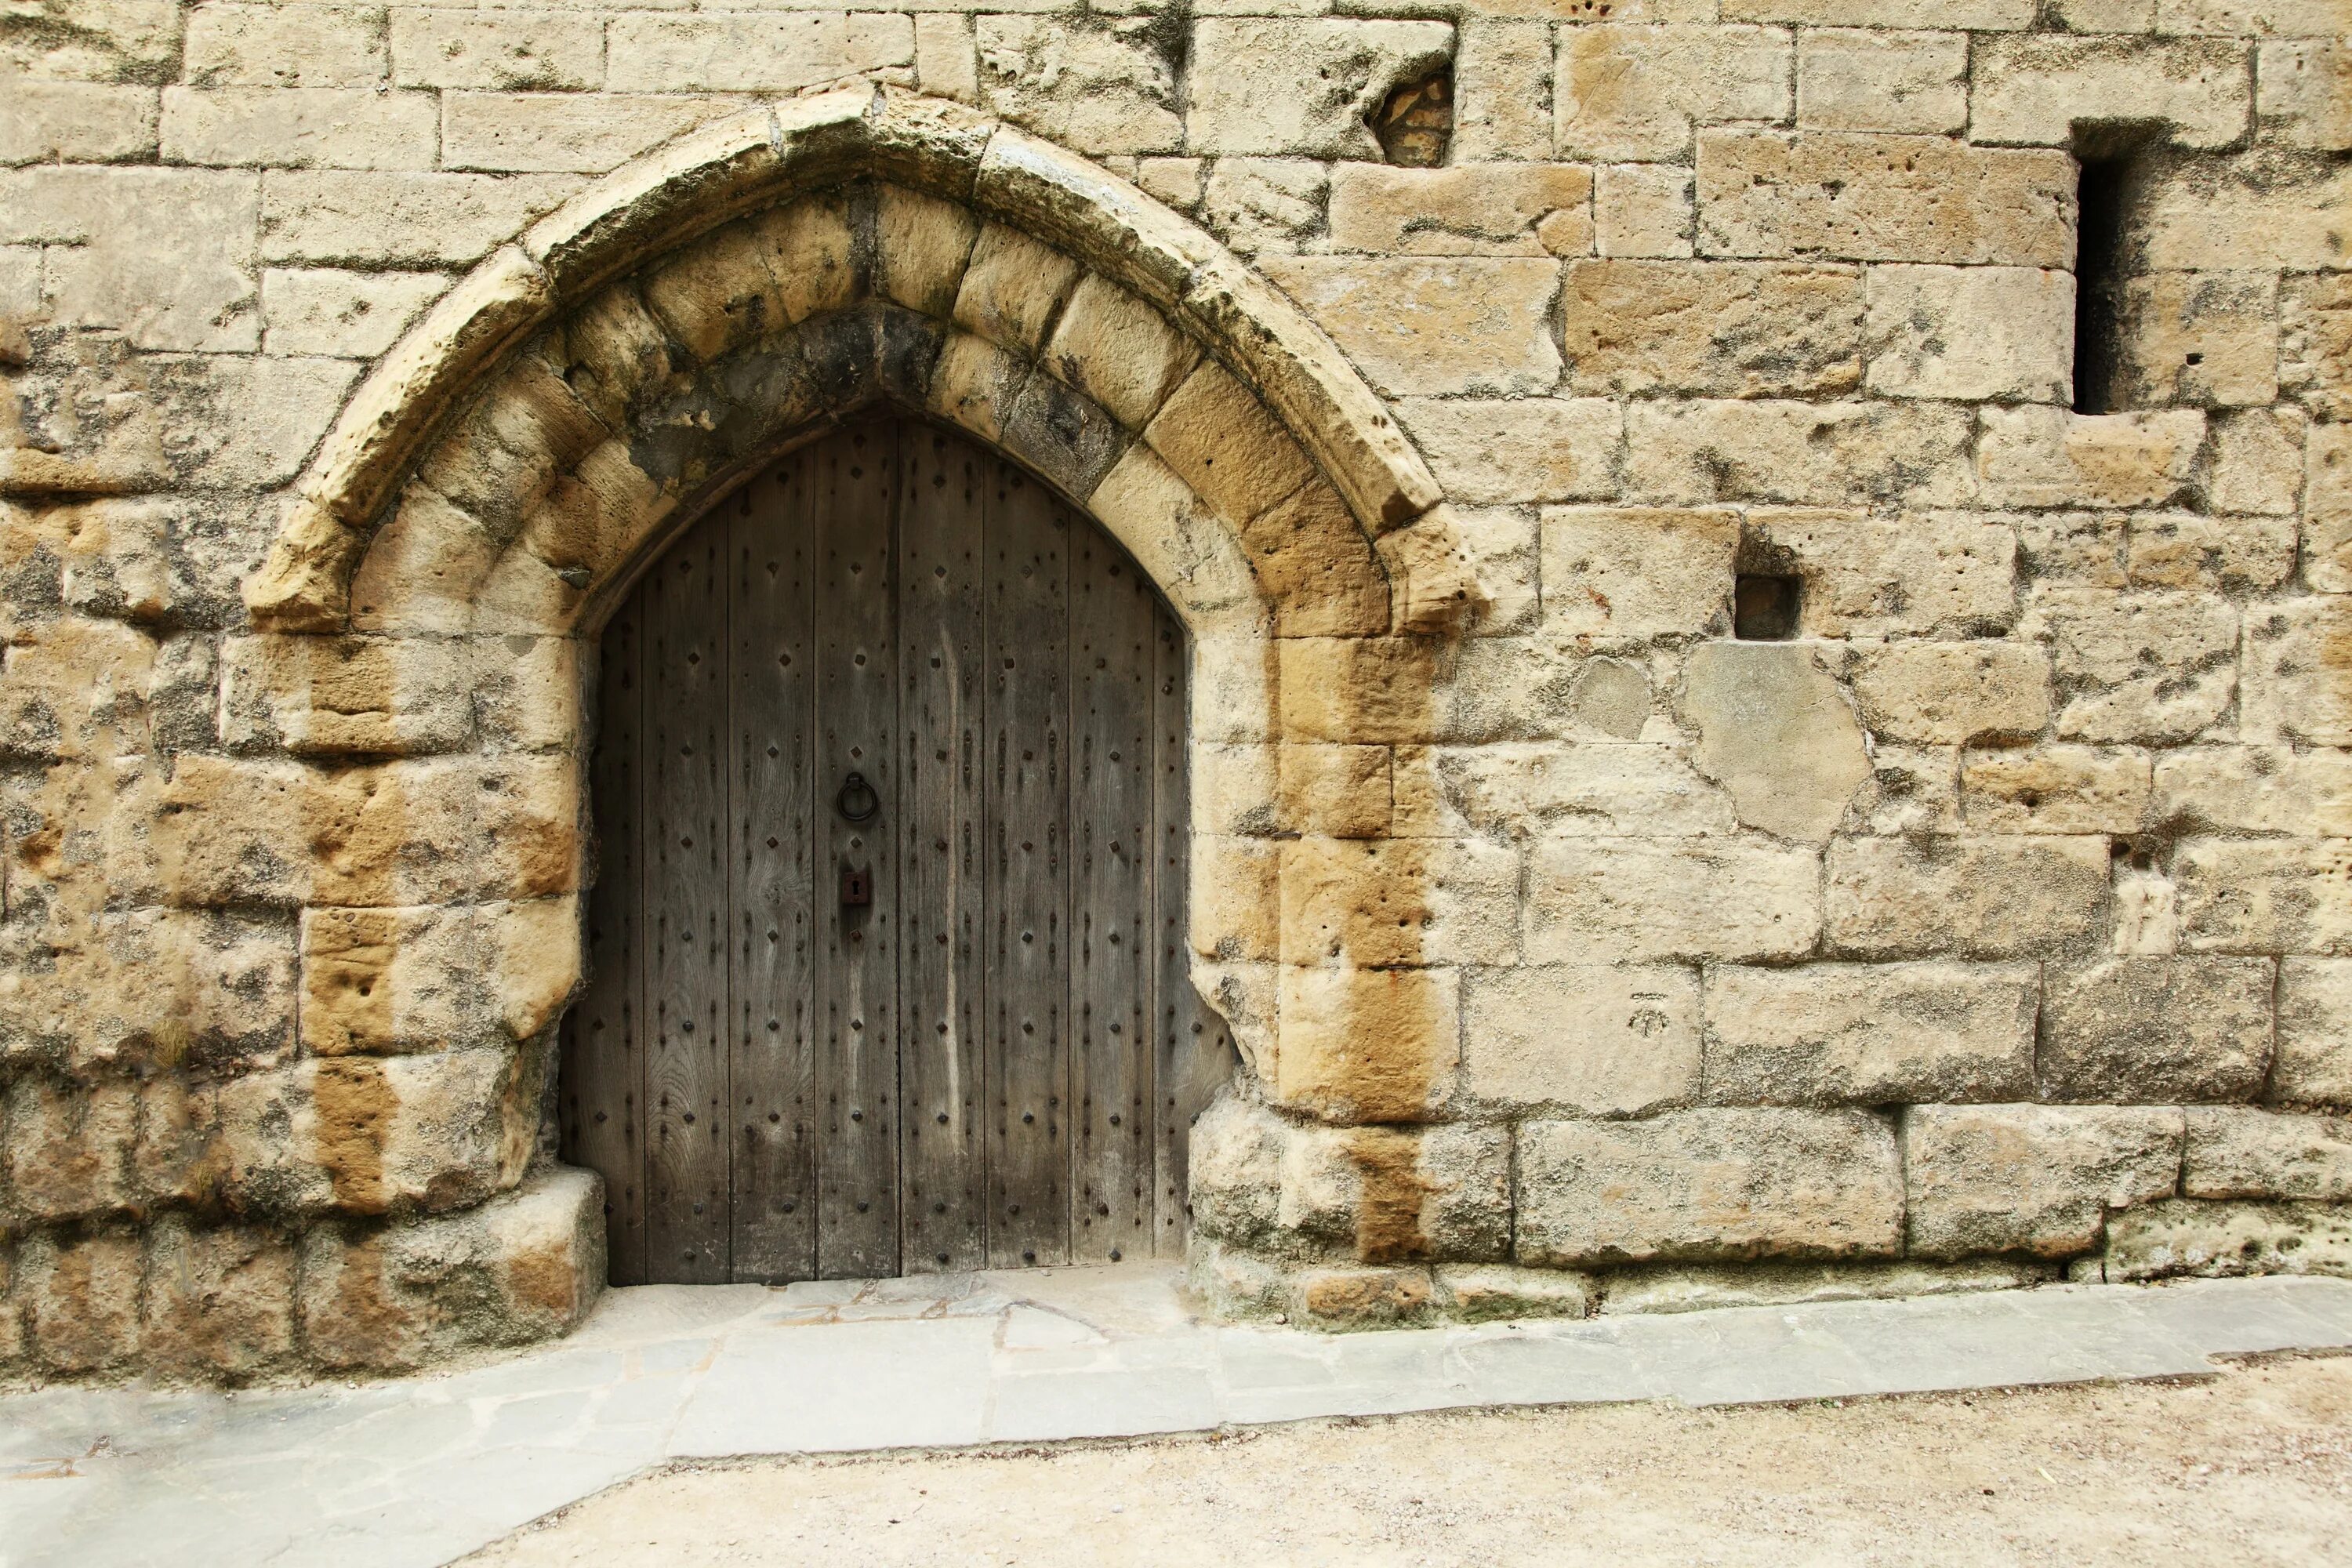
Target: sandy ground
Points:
(2254, 1467)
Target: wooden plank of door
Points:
(942, 1080)
(685, 912)
(772, 712)
(603, 1070)
(852, 479)
(1027, 548)
(1113, 924)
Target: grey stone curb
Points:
(421, 1471)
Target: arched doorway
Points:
(887, 958)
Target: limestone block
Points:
(393, 980)
(1700, 1288)
(1507, 209)
(1323, 577)
(342, 217)
(945, 66)
(1883, 198)
(1971, 332)
(1708, 1184)
(2242, 1153)
(1348, 1299)
(2055, 789)
(1494, 1292)
(105, 40)
(1635, 93)
(749, 52)
(614, 352)
(2218, 554)
(300, 128)
(1911, 790)
(219, 1300)
(1976, 16)
(720, 292)
(921, 247)
(1579, 788)
(1357, 691)
(1223, 442)
(1443, 1192)
(2315, 351)
(2263, 895)
(68, 1148)
(1305, 86)
(1258, 205)
(1182, 545)
(1399, 902)
(1367, 1045)
(1642, 209)
(2040, 1179)
(1235, 1169)
(1439, 326)
(121, 560)
(2327, 496)
(2313, 1064)
(163, 255)
(80, 1300)
(509, 51)
(1698, 451)
(1342, 792)
(1609, 900)
(501, 455)
(2298, 664)
(75, 689)
(2198, 339)
(2072, 549)
(422, 567)
(1433, 580)
(1119, 350)
(2256, 789)
(2132, 1030)
(525, 1266)
(333, 311)
(411, 831)
(1067, 436)
(1712, 328)
(1505, 559)
(331, 696)
(149, 988)
(2030, 90)
(1630, 574)
(1097, 85)
(284, 46)
(1582, 1040)
(1235, 904)
(1850, 80)
(2300, 92)
(1981, 897)
(76, 122)
(2234, 219)
(1523, 449)
(2040, 456)
(1875, 576)
(2184, 1237)
(1778, 731)
(1953, 693)
(2257, 461)
(589, 133)
(2153, 667)
(1233, 1285)
(2239, 18)
(1830, 1034)
(1502, 77)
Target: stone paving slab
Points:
(416, 1472)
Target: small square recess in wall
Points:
(1763, 609)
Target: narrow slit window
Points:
(2102, 204)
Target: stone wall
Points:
(1995, 925)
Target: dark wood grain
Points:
(686, 894)
(772, 799)
(853, 485)
(943, 1074)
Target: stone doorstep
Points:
(427, 1469)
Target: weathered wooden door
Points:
(886, 957)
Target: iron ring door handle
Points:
(851, 787)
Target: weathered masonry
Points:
(1584, 657)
